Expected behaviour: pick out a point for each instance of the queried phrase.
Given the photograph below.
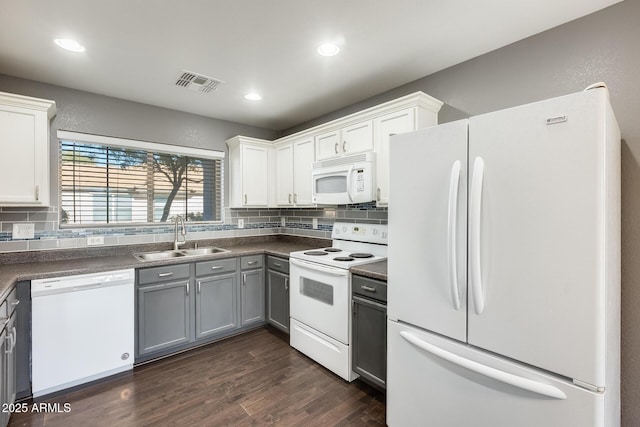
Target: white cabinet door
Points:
(328, 145)
(385, 126)
(538, 268)
(285, 175)
(255, 162)
(302, 166)
(428, 224)
(24, 142)
(357, 138)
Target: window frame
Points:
(152, 147)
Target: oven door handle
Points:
(320, 268)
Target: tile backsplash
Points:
(48, 235)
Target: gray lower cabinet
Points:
(369, 330)
(163, 316)
(216, 302)
(252, 290)
(277, 288)
(8, 354)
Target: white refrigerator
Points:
(504, 269)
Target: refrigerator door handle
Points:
(475, 209)
(452, 221)
(496, 374)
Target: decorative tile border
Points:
(298, 221)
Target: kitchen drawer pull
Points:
(167, 274)
(277, 264)
(252, 262)
(15, 302)
(367, 288)
(217, 267)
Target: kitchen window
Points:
(105, 180)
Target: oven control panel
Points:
(370, 233)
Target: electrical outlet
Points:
(314, 223)
(240, 223)
(23, 231)
(283, 222)
(95, 240)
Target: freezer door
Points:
(538, 224)
(427, 228)
(434, 381)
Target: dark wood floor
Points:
(252, 379)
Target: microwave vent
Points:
(346, 160)
(197, 82)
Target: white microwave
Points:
(344, 180)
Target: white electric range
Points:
(320, 293)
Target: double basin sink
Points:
(168, 254)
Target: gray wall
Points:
(599, 47)
(85, 112)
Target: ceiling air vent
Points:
(197, 82)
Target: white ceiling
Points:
(136, 48)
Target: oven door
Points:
(320, 298)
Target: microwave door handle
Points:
(349, 172)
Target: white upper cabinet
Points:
(351, 139)
(24, 143)
(251, 172)
(264, 173)
(294, 162)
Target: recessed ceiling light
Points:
(328, 49)
(70, 45)
(253, 96)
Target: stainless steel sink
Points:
(155, 256)
(203, 251)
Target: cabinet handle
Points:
(244, 279)
(367, 288)
(344, 146)
(378, 194)
(277, 264)
(336, 148)
(9, 344)
(14, 334)
(15, 302)
(289, 198)
(217, 267)
(187, 288)
(286, 283)
(252, 262)
(167, 274)
(37, 192)
(245, 199)
(199, 286)
(295, 198)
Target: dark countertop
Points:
(374, 270)
(45, 264)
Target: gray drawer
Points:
(12, 302)
(250, 262)
(206, 268)
(278, 264)
(370, 288)
(158, 274)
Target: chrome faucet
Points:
(183, 232)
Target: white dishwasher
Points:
(82, 329)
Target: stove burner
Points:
(333, 250)
(361, 255)
(343, 258)
(316, 253)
